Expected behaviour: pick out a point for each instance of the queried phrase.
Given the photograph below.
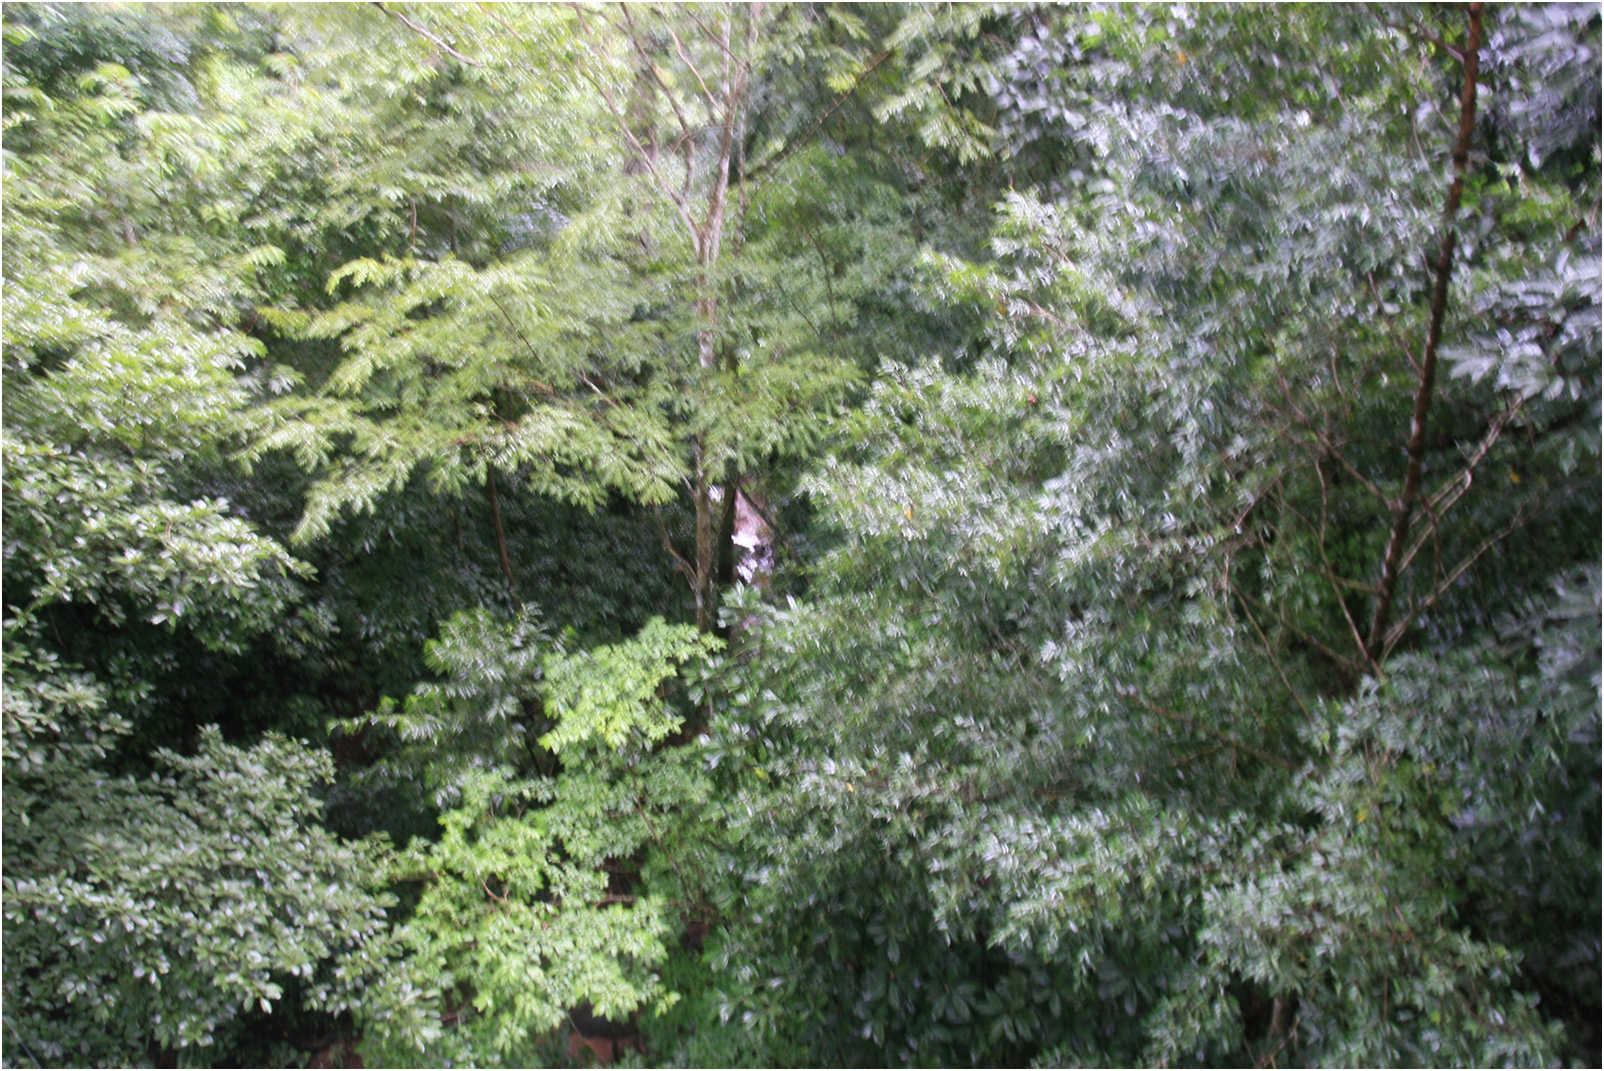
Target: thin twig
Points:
(677, 198)
(668, 545)
(1392, 327)
(1522, 518)
(1426, 35)
(1264, 641)
(690, 13)
(824, 264)
(1327, 444)
(1331, 575)
(1451, 491)
(1342, 661)
(685, 58)
(426, 35)
(633, 36)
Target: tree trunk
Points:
(709, 241)
(1403, 508)
(726, 534)
(705, 581)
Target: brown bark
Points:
(708, 238)
(424, 33)
(1403, 508)
(725, 97)
(703, 586)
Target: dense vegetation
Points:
(1171, 630)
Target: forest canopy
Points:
(801, 534)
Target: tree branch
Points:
(1404, 507)
(668, 545)
(818, 124)
(1521, 519)
(676, 197)
(1269, 651)
(1331, 573)
(1392, 327)
(685, 58)
(424, 33)
(687, 139)
(1453, 489)
(1426, 35)
(1346, 665)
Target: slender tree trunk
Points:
(704, 584)
(1403, 508)
(704, 218)
(726, 534)
(501, 535)
(709, 239)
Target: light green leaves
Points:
(522, 915)
(153, 898)
(610, 696)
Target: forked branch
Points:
(1403, 508)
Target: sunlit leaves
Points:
(153, 900)
(605, 697)
(519, 920)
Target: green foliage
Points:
(545, 893)
(1128, 693)
(443, 351)
(154, 911)
(563, 351)
(1444, 788)
(477, 714)
(155, 899)
(1077, 683)
(604, 699)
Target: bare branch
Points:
(1454, 488)
(1404, 507)
(1401, 627)
(818, 124)
(501, 535)
(1269, 651)
(824, 266)
(1331, 575)
(723, 43)
(505, 25)
(1347, 665)
(1337, 455)
(1392, 327)
(1417, 30)
(668, 544)
(676, 197)
(424, 33)
(1327, 445)
(634, 40)
(685, 58)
